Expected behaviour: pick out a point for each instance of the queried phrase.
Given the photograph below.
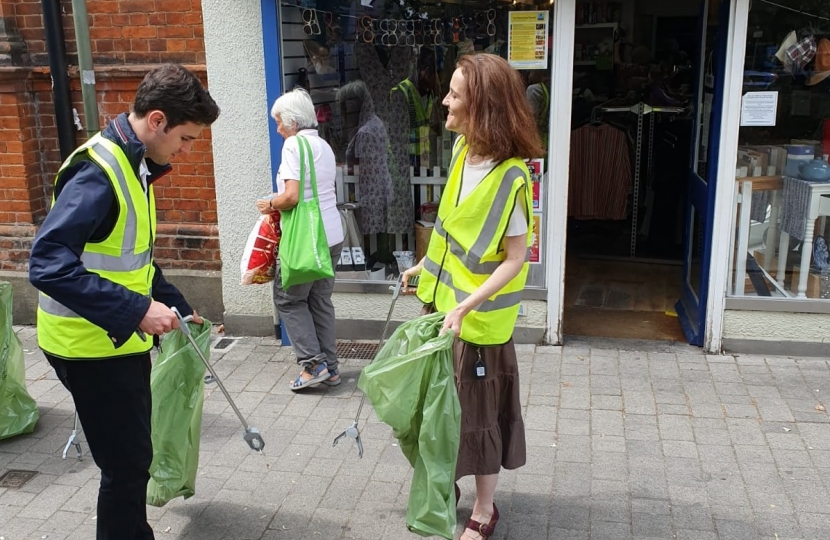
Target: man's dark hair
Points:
(177, 93)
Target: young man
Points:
(103, 300)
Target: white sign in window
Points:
(759, 109)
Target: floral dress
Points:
(394, 113)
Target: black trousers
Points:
(112, 397)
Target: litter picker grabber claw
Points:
(352, 432)
(72, 442)
(251, 435)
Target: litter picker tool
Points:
(251, 434)
(72, 440)
(352, 432)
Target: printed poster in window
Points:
(527, 41)
(759, 109)
(536, 239)
(536, 166)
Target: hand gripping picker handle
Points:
(251, 434)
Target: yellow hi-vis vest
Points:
(418, 119)
(467, 245)
(125, 257)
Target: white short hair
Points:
(295, 109)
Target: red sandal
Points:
(486, 530)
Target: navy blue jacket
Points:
(86, 209)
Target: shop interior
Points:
(631, 152)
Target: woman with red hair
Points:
(476, 267)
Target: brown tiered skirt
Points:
(492, 430)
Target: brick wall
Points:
(21, 193)
(128, 38)
(123, 31)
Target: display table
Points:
(746, 185)
(818, 205)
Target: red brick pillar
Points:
(18, 146)
(22, 198)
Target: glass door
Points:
(691, 308)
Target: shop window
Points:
(377, 72)
(782, 173)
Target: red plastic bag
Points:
(259, 260)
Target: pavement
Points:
(626, 440)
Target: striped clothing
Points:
(601, 175)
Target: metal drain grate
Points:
(224, 343)
(15, 479)
(356, 350)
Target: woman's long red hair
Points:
(500, 123)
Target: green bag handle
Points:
(305, 146)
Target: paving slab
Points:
(626, 439)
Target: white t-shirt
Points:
(472, 177)
(325, 168)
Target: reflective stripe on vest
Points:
(452, 272)
(502, 301)
(125, 257)
(472, 259)
(460, 141)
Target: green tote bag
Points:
(304, 248)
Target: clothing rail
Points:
(641, 110)
(647, 109)
(795, 10)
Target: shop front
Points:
(778, 270)
(635, 202)
(377, 73)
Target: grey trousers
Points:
(307, 313)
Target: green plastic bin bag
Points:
(178, 386)
(411, 385)
(18, 411)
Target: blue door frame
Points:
(273, 74)
(273, 90)
(691, 308)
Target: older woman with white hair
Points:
(306, 311)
